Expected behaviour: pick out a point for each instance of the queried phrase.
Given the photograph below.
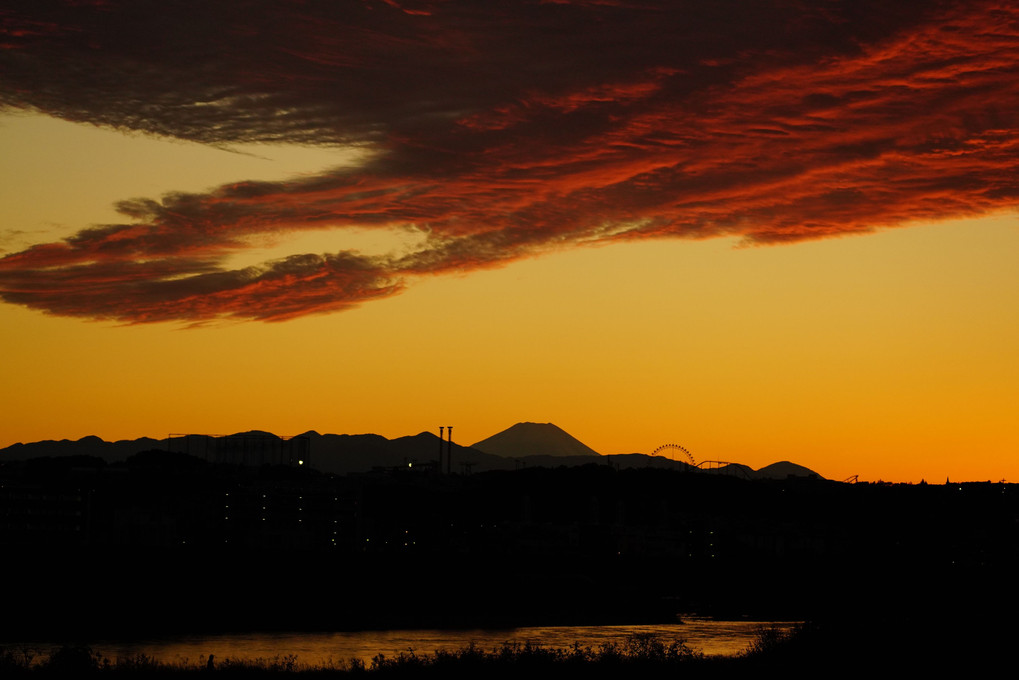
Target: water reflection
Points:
(707, 636)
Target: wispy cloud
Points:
(507, 128)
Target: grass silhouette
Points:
(641, 655)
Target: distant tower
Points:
(449, 450)
(442, 443)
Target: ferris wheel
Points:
(675, 452)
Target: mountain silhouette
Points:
(533, 439)
(91, 445)
(522, 445)
(783, 470)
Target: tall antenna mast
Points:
(449, 450)
(442, 443)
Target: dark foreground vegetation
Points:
(642, 655)
(169, 544)
(812, 650)
(910, 577)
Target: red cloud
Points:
(506, 132)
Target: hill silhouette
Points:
(534, 439)
(346, 453)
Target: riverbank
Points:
(840, 649)
(645, 655)
(703, 635)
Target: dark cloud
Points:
(505, 128)
(197, 290)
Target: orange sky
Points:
(797, 246)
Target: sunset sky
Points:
(763, 230)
